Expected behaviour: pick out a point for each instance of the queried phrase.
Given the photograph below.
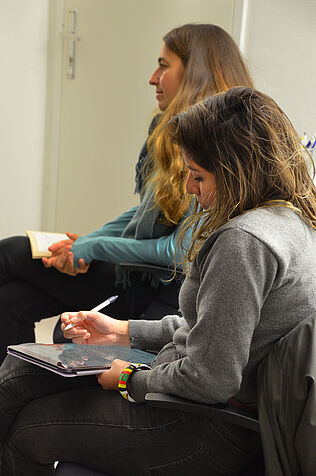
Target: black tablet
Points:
(72, 360)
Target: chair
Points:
(287, 403)
(166, 301)
(220, 412)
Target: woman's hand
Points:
(95, 328)
(62, 258)
(59, 252)
(65, 264)
(109, 379)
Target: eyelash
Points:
(198, 179)
(162, 66)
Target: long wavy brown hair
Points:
(212, 63)
(249, 144)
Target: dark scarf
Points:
(143, 157)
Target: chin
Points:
(162, 107)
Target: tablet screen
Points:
(85, 357)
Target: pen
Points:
(95, 309)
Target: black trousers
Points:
(29, 292)
(46, 418)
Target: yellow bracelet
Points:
(125, 375)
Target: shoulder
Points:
(276, 229)
(263, 221)
(267, 223)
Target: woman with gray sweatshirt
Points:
(250, 279)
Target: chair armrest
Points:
(236, 416)
(151, 268)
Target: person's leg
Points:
(100, 429)
(74, 292)
(21, 304)
(29, 292)
(21, 382)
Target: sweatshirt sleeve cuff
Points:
(138, 385)
(145, 334)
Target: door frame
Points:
(53, 113)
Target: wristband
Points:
(125, 375)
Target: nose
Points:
(192, 187)
(154, 78)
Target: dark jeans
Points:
(29, 292)
(47, 418)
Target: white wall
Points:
(280, 46)
(23, 58)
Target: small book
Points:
(41, 240)
(73, 360)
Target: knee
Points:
(11, 367)
(15, 245)
(13, 250)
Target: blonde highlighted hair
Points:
(212, 63)
(249, 144)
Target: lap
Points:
(91, 426)
(18, 269)
(17, 265)
(76, 420)
(86, 422)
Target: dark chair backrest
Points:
(287, 402)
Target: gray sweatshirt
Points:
(253, 280)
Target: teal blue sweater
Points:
(108, 244)
(137, 235)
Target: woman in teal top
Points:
(195, 61)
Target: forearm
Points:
(123, 337)
(161, 251)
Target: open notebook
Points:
(72, 360)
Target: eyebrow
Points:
(161, 59)
(193, 169)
